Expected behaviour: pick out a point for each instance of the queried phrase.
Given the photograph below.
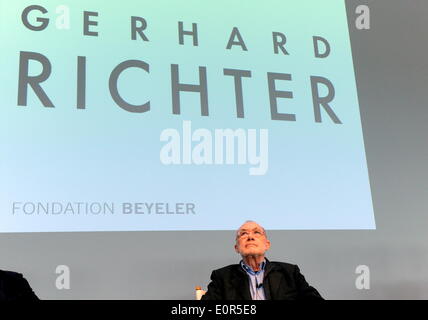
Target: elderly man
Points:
(255, 277)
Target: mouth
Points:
(251, 244)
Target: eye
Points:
(257, 232)
(243, 234)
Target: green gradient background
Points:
(317, 177)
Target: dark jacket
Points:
(14, 287)
(282, 281)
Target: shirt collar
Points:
(251, 271)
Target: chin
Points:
(254, 252)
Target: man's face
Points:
(251, 240)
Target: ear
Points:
(236, 248)
(267, 245)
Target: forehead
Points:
(250, 226)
